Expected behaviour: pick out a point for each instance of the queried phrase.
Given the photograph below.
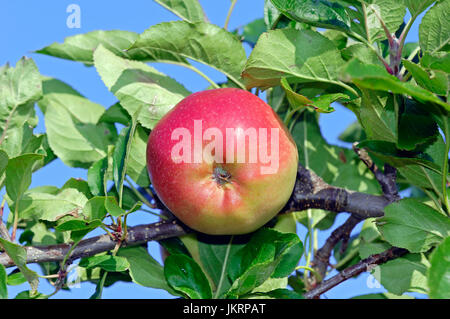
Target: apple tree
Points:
(392, 181)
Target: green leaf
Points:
(296, 100)
(215, 255)
(174, 245)
(274, 19)
(353, 133)
(51, 207)
(138, 85)
(116, 114)
(21, 140)
(18, 174)
(339, 38)
(18, 254)
(137, 160)
(321, 104)
(324, 101)
(321, 219)
(71, 122)
(288, 248)
(312, 145)
(81, 47)
(354, 175)
(367, 249)
(78, 224)
(322, 13)
(3, 282)
(412, 225)
(439, 271)
(391, 155)
(106, 262)
(188, 10)
(290, 53)
(404, 274)
(113, 207)
(269, 254)
(185, 276)
(95, 274)
(361, 52)
(19, 88)
(432, 80)
(200, 41)
(384, 295)
(96, 177)
(416, 128)
(282, 294)
(129, 197)
(30, 295)
(436, 61)
(417, 7)
(421, 169)
(286, 223)
(390, 11)
(99, 287)
(375, 77)
(38, 235)
(16, 278)
(120, 157)
(366, 18)
(19, 85)
(253, 30)
(271, 14)
(253, 277)
(3, 161)
(434, 30)
(79, 184)
(271, 284)
(95, 208)
(144, 270)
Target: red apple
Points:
(222, 161)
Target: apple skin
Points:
(196, 193)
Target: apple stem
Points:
(221, 176)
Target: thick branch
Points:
(312, 192)
(352, 271)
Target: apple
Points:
(222, 161)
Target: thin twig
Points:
(227, 20)
(352, 271)
(386, 179)
(340, 234)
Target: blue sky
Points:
(26, 26)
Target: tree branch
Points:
(310, 192)
(88, 247)
(386, 179)
(352, 271)
(342, 233)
